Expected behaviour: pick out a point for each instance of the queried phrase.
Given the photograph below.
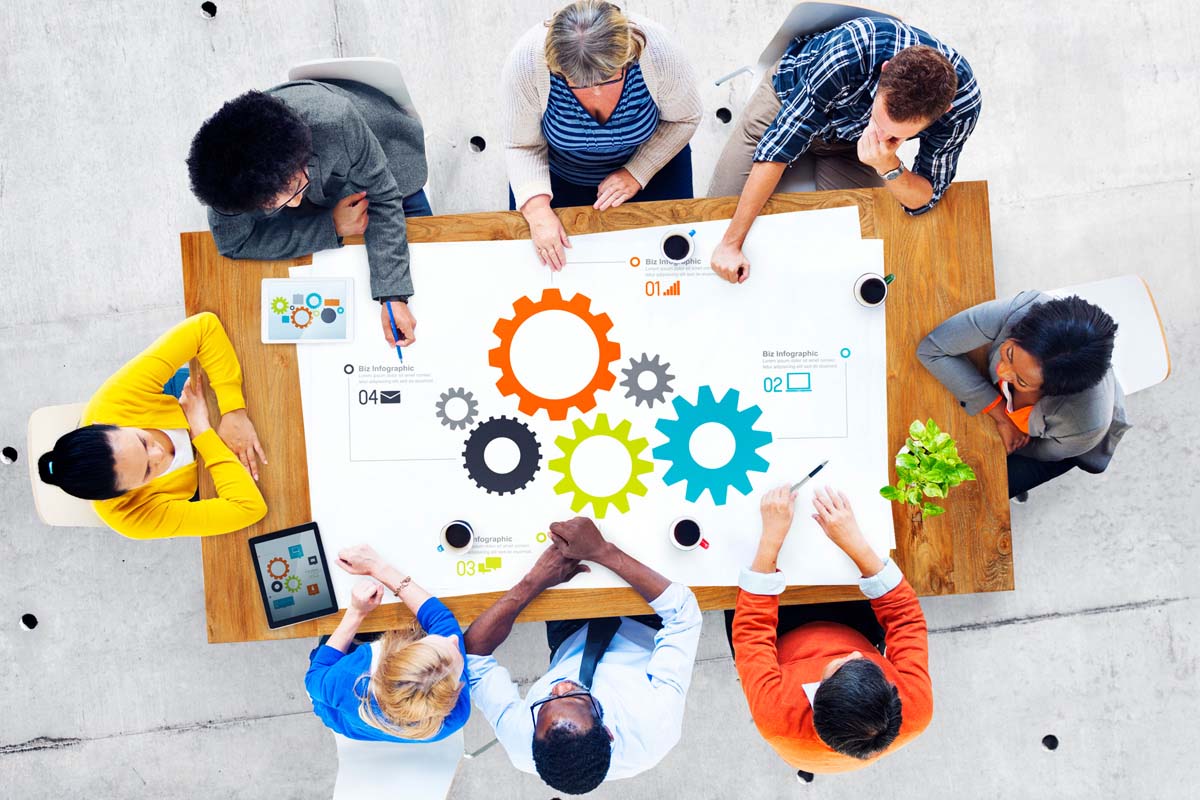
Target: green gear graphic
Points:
(279, 305)
(638, 466)
(293, 583)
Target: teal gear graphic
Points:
(293, 583)
(279, 306)
(638, 466)
(678, 451)
(313, 300)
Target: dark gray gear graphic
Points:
(516, 432)
(662, 385)
(466, 420)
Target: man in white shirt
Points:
(611, 704)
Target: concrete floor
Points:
(1086, 142)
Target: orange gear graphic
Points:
(585, 399)
(308, 317)
(273, 562)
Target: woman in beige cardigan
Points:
(598, 110)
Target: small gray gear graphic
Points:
(467, 419)
(662, 385)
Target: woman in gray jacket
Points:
(1049, 385)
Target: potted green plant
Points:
(927, 466)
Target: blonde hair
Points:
(414, 686)
(590, 41)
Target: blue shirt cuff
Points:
(881, 582)
(762, 583)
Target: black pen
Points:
(820, 467)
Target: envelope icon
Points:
(389, 396)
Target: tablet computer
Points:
(307, 310)
(293, 575)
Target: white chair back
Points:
(379, 73)
(1140, 355)
(388, 770)
(53, 505)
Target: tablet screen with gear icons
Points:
(293, 575)
(301, 310)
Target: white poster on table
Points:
(629, 387)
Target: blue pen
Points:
(395, 332)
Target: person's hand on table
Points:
(729, 262)
(777, 511)
(877, 151)
(237, 431)
(350, 215)
(194, 404)
(366, 597)
(616, 189)
(1012, 436)
(836, 518)
(361, 559)
(406, 323)
(554, 567)
(579, 538)
(546, 231)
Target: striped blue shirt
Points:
(827, 83)
(584, 152)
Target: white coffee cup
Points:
(454, 529)
(871, 289)
(691, 532)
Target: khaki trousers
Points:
(835, 165)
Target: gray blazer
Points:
(1087, 425)
(362, 141)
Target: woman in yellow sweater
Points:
(131, 453)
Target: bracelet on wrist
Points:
(400, 587)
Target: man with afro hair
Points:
(297, 168)
(611, 704)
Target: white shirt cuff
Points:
(762, 583)
(881, 582)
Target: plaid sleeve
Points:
(806, 110)
(937, 160)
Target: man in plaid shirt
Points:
(848, 98)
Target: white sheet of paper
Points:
(791, 342)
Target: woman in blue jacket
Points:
(409, 686)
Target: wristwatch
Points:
(893, 174)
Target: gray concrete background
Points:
(1086, 140)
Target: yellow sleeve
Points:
(238, 503)
(200, 336)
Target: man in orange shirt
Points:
(821, 694)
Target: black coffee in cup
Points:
(686, 533)
(872, 291)
(676, 247)
(458, 535)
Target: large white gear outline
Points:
(662, 385)
(467, 419)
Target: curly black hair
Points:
(856, 711)
(246, 154)
(1072, 340)
(571, 762)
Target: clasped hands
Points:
(235, 428)
(572, 542)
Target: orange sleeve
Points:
(993, 404)
(907, 639)
(766, 687)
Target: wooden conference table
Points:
(942, 262)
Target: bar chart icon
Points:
(672, 290)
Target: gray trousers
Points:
(835, 165)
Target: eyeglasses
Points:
(597, 710)
(617, 79)
(295, 194)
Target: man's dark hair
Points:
(82, 464)
(574, 763)
(247, 153)
(919, 83)
(856, 711)
(1073, 341)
